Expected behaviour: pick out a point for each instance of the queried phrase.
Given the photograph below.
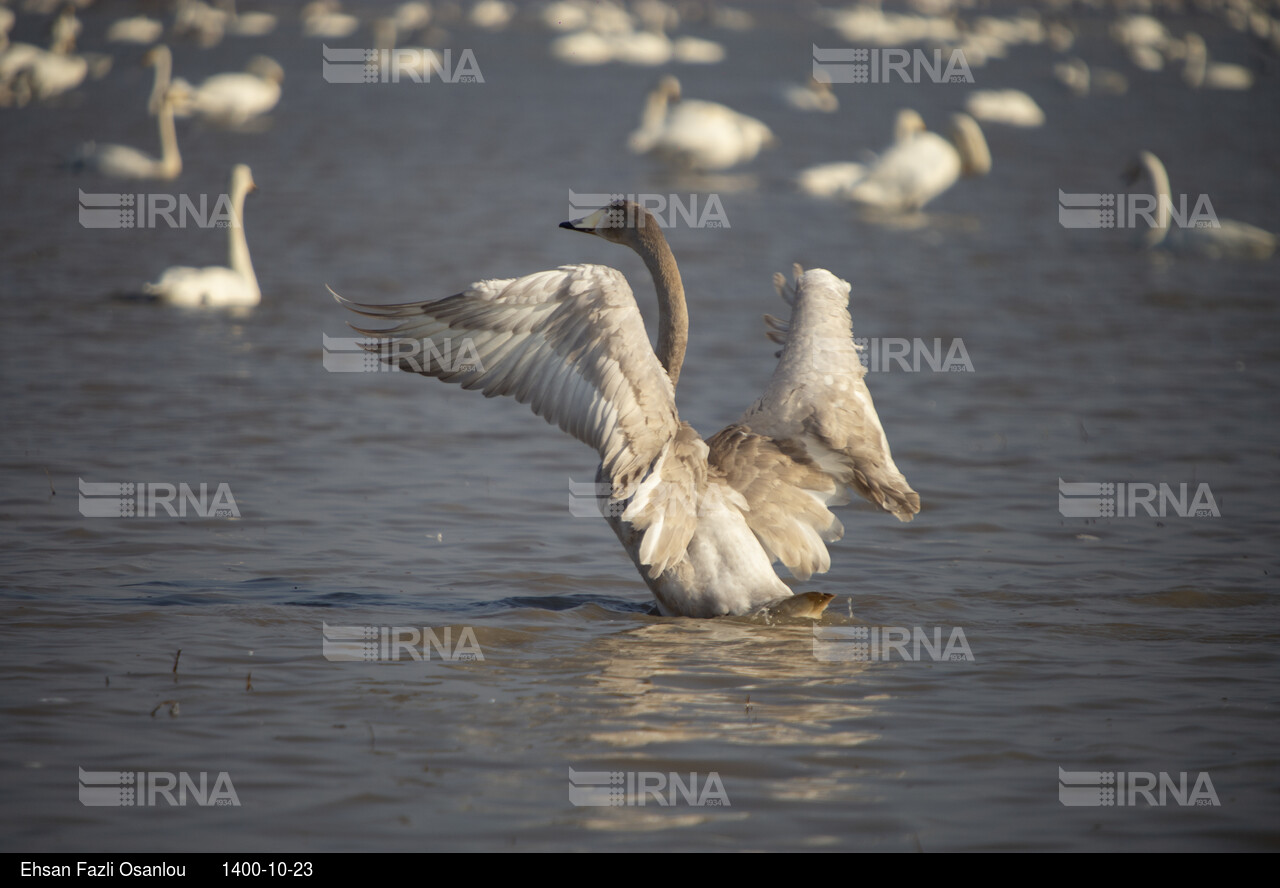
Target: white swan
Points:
(200, 22)
(247, 24)
(1229, 239)
(216, 286)
(135, 29)
(27, 71)
(232, 99)
(918, 168)
(816, 95)
(325, 18)
(696, 135)
(1008, 106)
(124, 162)
(835, 179)
(1202, 73)
(703, 521)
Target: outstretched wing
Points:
(570, 343)
(822, 429)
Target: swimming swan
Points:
(917, 169)
(124, 162)
(1228, 240)
(215, 286)
(836, 179)
(232, 99)
(703, 521)
(1008, 106)
(696, 135)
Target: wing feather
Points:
(570, 343)
(819, 399)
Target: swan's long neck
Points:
(673, 315)
(238, 244)
(164, 73)
(1164, 198)
(170, 159)
(652, 118)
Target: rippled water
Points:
(378, 499)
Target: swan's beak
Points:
(587, 224)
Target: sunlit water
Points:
(376, 499)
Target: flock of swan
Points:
(703, 520)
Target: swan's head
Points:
(1145, 163)
(669, 88)
(907, 124)
(242, 179)
(158, 55)
(266, 68)
(620, 222)
(966, 135)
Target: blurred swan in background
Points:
(816, 95)
(492, 15)
(922, 165)
(231, 99)
(696, 135)
(836, 179)
(1008, 106)
(198, 21)
(1076, 76)
(1199, 72)
(246, 24)
(125, 162)
(28, 72)
(1228, 240)
(325, 18)
(216, 286)
(703, 521)
(136, 29)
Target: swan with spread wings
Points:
(703, 521)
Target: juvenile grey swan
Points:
(703, 521)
